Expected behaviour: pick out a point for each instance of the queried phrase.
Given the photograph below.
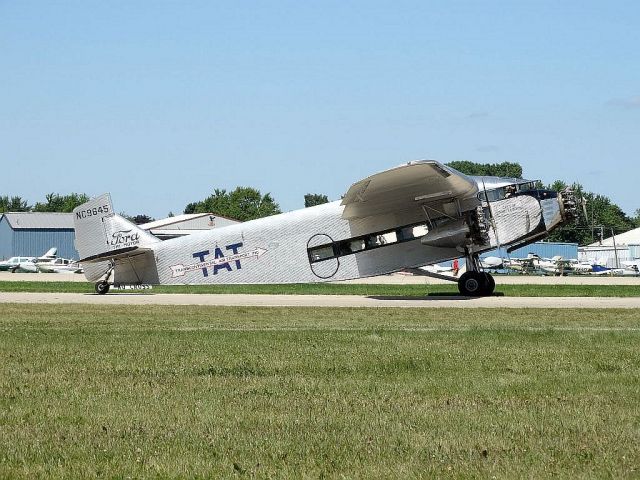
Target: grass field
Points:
(330, 393)
(407, 290)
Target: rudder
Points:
(101, 232)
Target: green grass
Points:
(122, 391)
(409, 290)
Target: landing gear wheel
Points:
(491, 284)
(102, 287)
(473, 284)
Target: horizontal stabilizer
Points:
(116, 254)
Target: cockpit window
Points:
(506, 191)
(493, 195)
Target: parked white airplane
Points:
(59, 265)
(13, 263)
(31, 265)
(631, 267)
(417, 214)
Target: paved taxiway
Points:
(319, 300)
(116, 298)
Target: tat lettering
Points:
(222, 260)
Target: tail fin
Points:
(51, 253)
(101, 234)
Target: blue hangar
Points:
(31, 234)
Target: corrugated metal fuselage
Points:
(316, 245)
(277, 250)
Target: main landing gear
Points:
(474, 282)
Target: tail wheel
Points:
(102, 287)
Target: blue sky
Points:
(161, 102)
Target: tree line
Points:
(53, 203)
(603, 217)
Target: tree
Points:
(636, 218)
(243, 203)
(191, 208)
(61, 203)
(603, 217)
(313, 199)
(141, 219)
(504, 169)
(13, 204)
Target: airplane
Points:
(13, 263)
(29, 264)
(419, 213)
(49, 263)
(631, 267)
(59, 265)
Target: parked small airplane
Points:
(59, 265)
(49, 263)
(31, 266)
(13, 263)
(631, 267)
(28, 264)
(417, 214)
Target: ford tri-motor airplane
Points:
(417, 214)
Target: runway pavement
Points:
(319, 300)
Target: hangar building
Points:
(567, 251)
(31, 234)
(186, 224)
(614, 250)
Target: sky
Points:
(159, 103)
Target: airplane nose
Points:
(568, 205)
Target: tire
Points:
(491, 284)
(102, 287)
(473, 284)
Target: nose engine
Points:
(568, 204)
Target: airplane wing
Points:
(405, 187)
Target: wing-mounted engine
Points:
(478, 226)
(470, 229)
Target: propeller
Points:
(583, 202)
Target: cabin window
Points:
(351, 246)
(411, 232)
(372, 241)
(323, 252)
